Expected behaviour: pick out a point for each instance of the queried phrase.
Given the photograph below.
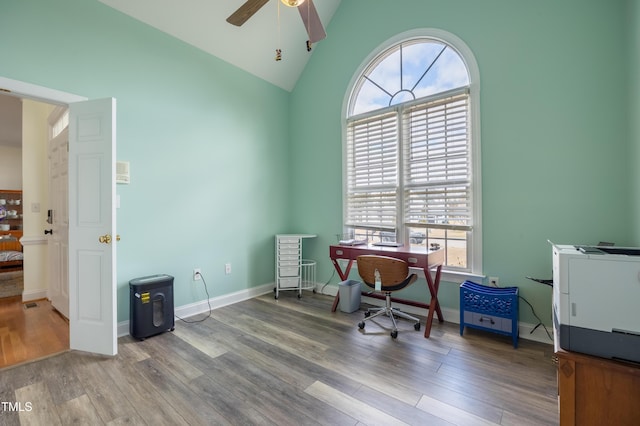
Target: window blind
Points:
(372, 171)
(437, 173)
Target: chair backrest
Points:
(394, 273)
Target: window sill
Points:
(460, 277)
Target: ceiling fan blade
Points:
(245, 12)
(311, 21)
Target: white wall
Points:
(10, 167)
(35, 192)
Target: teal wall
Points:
(634, 112)
(207, 142)
(555, 131)
(217, 168)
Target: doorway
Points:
(92, 216)
(29, 327)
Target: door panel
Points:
(92, 295)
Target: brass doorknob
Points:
(105, 239)
(118, 237)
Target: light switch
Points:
(35, 207)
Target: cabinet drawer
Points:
(289, 240)
(289, 271)
(288, 257)
(487, 321)
(295, 252)
(289, 246)
(282, 263)
(288, 282)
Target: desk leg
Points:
(343, 276)
(434, 304)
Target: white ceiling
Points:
(202, 23)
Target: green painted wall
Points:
(634, 112)
(206, 141)
(554, 99)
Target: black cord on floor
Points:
(540, 323)
(208, 303)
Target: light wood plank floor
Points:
(28, 333)
(290, 362)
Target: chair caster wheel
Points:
(416, 326)
(367, 314)
(299, 296)
(394, 334)
(275, 297)
(361, 325)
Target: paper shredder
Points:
(151, 306)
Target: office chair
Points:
(394, 275)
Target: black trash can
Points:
(151, 306)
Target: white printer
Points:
(596, 300)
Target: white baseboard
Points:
(525, 330)
(34, 295)
(202, 306)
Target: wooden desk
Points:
(416, 258)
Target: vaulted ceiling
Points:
(251, 47)
(202, 23)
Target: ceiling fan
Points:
(307, 10)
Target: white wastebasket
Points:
(349, 296)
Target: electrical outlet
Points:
(227, 268)
(197, 274)
(493, 281)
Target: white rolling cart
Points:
(292, 271)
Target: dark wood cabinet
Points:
(597, 391)
(11, 214)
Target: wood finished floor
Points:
(28, 333)
(290, 362)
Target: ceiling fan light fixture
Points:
(292, 3)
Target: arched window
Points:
(412, 148)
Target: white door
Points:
(92, 220)
(58, 226)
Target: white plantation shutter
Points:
(436, 190)
(372, 171)
(437, 172)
